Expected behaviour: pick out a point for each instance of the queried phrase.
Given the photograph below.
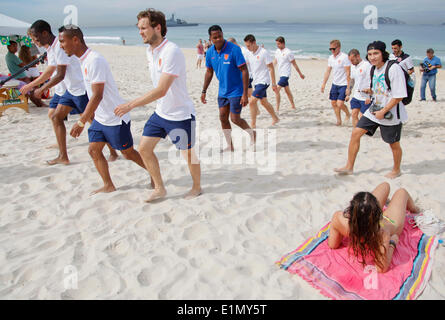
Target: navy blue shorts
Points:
(78, 103)
(359, 104)
(260, 91)
(235, 104)
(337, 93)
(283, 82)
(119, 137)
(54, 101)
(181, 133)
(250, 83)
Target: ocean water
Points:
(306, 40)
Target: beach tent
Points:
(12, 27)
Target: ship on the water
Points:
(172, 22)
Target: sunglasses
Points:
(332, 49)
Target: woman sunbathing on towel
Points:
(372, 233)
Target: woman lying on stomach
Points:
(372, 233)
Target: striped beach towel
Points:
(338, 275)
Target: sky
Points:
(123, 12)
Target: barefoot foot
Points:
(58, 161)
(393, 174)
(157, 194)
(193, 194)
(344, 171)
(104, 189)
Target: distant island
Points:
(387, 20)
(443, 24)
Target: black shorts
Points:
(390, 134)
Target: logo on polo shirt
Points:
(160, 61)
(85, 71)
(361, 70)
(258, 57)
(226, 57)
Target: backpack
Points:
(409, 84)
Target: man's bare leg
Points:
(113, 154)
(336, 111)
(60, 131)
(271, 111)
(278, 98)
(146, 150)
(354, 146)
(240, 122)
(95, 151)
(195, 172)
(355, 113)
(397, 156)
(50, 115)
(290, 97)
(253, 105)
(341, 106)
(224, 113)
(133, 155)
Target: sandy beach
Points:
(221, 245)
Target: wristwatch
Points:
(80, 124)
(392, 243)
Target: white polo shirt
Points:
(338, 65)
(258, 65)
(284, 62)
(361, 74)
(95, 69)
(168, 58)
(246, 53)
(405, 64)
(73, 80)
(54, 54)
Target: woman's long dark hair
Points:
(364, 214)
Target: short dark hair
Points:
(430, 50)
(249, 38)
(215, 27)
(280, 40)
(354, 52)
(40, 26)
(71, 31)
(396, 42)
(156, 18)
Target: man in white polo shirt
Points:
(360, 76)
(104, 98)
(261, 65)
(175, 112)
(284, 59)
(340, 65)
(70, 95)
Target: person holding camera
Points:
(386, 112)
(429, 68)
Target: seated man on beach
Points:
(429, 68)
(284, 59)
(233, 76)
(14, 64)
(175, 112)
(360, 75)
(339, 64)
(388, 113)
(261, 64)
(372, 231)
(104, 98)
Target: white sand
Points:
(222, 245)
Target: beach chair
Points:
(10, 97)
